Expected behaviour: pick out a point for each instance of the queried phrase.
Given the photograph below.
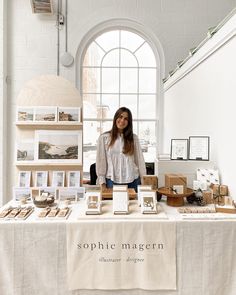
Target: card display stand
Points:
(175, 200)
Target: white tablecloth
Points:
(33, 258)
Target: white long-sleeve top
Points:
(112, 163)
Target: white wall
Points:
(202, 102)
(3, 98)
(32, 39)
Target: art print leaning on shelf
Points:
(21, 193)
(68, 114)
(179, 149)
(58, 146)
(73, 179)
(25, 151)
(24, 178)
(199, 148)
(25, 114)
(41, 178)
(45, 114)
(58, 178)
(67, 194)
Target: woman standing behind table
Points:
(119, 156)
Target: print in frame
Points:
(58, 178)
(41, 178)
(73, 179)
(58, 146)
(69, 114)
(45, 114)
(24, 178)
(24, 114)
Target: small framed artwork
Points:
(80, 193)
(73, 179)
(148, 202)
(179, 149)
(25, 151)
(21, 193)
(45, 114)
(69, 114)
(25, 114)
(67, 193)
(199, 147)
(58, 146)
(58, 178)
(24, 178)
(41, 178)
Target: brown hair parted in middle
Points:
(127, 133)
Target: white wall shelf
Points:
(50, 125)
(46, 164)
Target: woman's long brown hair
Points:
(127, 132)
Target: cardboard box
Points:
(208, 197)
(175, 179)
(223, 190)
(150, 180)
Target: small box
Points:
(150, 180)
(208, 197)
(216, 189)
(223, 190)
(228, 201)
(175, 179)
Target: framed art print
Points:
(179, 149)
(199, 147)
(24, 114)
(25, 151)
(67, 193)
(73, 179)
(22, 193)
(45, 114)
(24, 178)
(41, 178)
(58, 178)
(58, 146)
(69, 114)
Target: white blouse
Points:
(112, 163)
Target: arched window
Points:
(119, 69)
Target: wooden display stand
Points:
(107, 193)
(175, 200)
(47, 91)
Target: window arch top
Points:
(119, 48)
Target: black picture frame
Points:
(179, 149)
(199, 148)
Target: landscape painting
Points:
(58, 146)
(25, 151)
(45, 114)
(25, 114)
(67, 114)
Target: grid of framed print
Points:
(70, 179)
(48, 114)
(194, 148)
(61, 146)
